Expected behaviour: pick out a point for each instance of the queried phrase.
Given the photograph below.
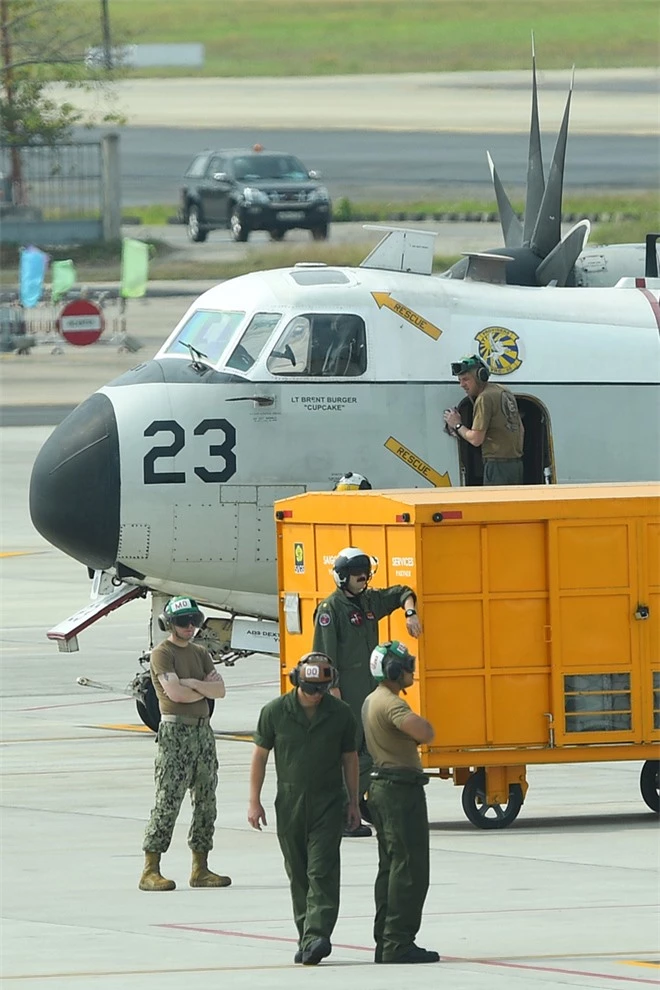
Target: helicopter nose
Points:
(75, 485)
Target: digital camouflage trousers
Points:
(186, 760)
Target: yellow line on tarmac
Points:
(640, 962)
(21, 553)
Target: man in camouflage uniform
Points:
(313, 737)
(184, 676)
(346, 629)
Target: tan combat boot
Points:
(151, 878)
(201, 876)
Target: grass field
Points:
(327, 37)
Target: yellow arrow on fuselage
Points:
(417, 464)
(409, 315)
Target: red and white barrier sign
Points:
(81, 322)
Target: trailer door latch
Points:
(642, 612)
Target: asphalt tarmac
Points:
(390, 137)
(567, 896)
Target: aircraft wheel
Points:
(489, 816)
(649, 784)
(149, 709)
(320, 233)
(277, 235)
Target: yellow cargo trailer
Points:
(541, 614)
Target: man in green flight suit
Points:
(398, 806)
(313, 736)
(346, 629)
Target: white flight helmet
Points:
(352, 482)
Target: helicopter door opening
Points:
(538, 462)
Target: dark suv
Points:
(252, 189)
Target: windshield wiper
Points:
(195, 355)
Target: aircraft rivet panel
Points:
(205, 533)
(134, 540)
(238, 493)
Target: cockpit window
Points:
(208, 332)
(321, 345)
(253, 340)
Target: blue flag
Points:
(32, 271)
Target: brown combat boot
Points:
(201, 876)
(151, 878)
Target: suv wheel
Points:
(320, 233)
(238, 230)
(277, 235)
(196, 231)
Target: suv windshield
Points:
(254, 167)
(208, 332)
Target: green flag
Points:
(63, 277)
(134, 268)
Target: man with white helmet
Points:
(346, 629)
(398, 807)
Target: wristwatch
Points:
(457, 427)
(410, 611)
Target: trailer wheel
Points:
(149, 709)
(485, 815)
(649, 784)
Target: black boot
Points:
(316, 951)
(415, 954)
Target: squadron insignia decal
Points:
(498, 347)
(324, 619)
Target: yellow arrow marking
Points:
(417, 464)
(409, 315)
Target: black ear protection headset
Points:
(327, 672)
(393, 668)
(472, 363)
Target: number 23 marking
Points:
(224, 450)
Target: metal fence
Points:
(51, 194)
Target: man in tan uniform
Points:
(184, 677)
(398, 807)
(496, 424)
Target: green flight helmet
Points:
(389, 661)
(181, 611)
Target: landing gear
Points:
(489, 816)
(320, 233)
(277, 235)
(649, 784)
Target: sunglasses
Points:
(314, 688)
(183, 621)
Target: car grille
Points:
(294, 196)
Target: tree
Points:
(41, 41)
